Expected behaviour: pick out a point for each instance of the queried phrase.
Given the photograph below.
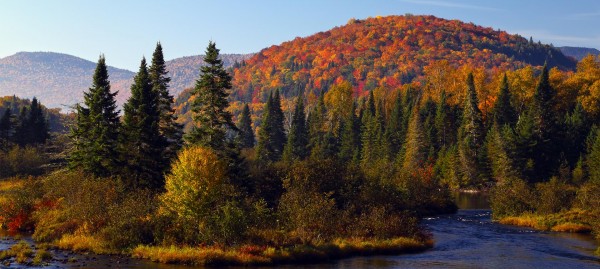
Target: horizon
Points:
(239, 27)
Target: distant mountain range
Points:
(59, 80)
(578, 52)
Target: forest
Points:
(321, 174)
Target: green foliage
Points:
(511, 198)
(22, 161)
(271, 136)
(211, 118)
(553, 196)
(246, 134)
(95, 132)
(171, 132)
(141, 144)
(297, 143)
(503, 111)
(470, 138)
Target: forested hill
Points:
(59, 80)
(385, 51)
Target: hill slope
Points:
(578, 52)
(59, 80)
(384, 51)
(56, 79)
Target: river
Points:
(467, 239)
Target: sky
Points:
(126, 30)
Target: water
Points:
(467, 239)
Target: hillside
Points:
(56, 79)
(385, 51)
(59, 80)
(578, 52)
(184, 71)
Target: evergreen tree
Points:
(142, 142)
(546, 131)
(22, 131)
(577, 128)
(6, 129)
(443, 123)
(271, 137)
(471, 137)
(503, 111)
(395, 131)
(316, 125)
(171, 132)
(371, 133)
(246, 134)
(36, 124)
(502, 165)
(350, 137)
(95, 133)
(297, 140)
(415, 148)
(212, 120)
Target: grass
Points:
(572, 221)
(82, 243)
(21, 251)
(260, 255)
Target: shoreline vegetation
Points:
(331, 175)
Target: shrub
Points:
(512, 198)
(553, 196)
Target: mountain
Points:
(184, 71)
(385, 52)
(578, 52)
(59, 80)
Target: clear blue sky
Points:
(126, 30)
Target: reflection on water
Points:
(472, 200)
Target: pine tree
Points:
(171, 132)
(297, 140)
(271, 137)
(246, 134)
(576, 127)
(471, 137)
(141, 137)
(22, 133)
(211, 118)
(503, 111)
(95, 133)
(502, 164)
(395, 131)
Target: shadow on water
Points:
(467, 239)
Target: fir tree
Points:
(212, 120)
(170, 131)
(271, 137)
(95, 133)
(415, 148)
(22, 133)
(297, 140)
(246, 134)
(503, 111)
(395, 131)
(471, 137)
(350, 137)
(443, 123)
(142, 142)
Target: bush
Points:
(553, 196)
(21, 161)
(512, 198)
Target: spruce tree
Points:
(246, 134)
(471, 136)
(503, 111)
(22, 131)
(171, 132)
(95, 132)
(142, 142)
(576, 129)
(395, 131)
(212, 120)
(271, 137)
(296, 147)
